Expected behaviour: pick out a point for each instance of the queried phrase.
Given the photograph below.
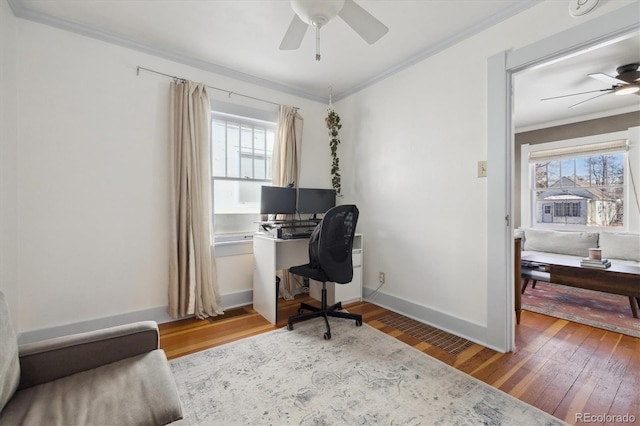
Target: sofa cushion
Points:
(134, 391)
(572, 243)
(9, 363)
(620, 246)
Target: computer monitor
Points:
(277, 200)
(315, 201)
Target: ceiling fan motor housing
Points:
(628, 73)
(317, 12)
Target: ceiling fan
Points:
(625, 83)
(319, 12)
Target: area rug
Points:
(361, 376)
(607, 311)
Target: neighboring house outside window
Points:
(579, 188)
(241, 151)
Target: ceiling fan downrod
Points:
(317, 42)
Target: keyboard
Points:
(298, 234)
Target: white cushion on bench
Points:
(620, 246)
(571, 243)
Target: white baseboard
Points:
(454, 325)
(471, 331)
(158, 314)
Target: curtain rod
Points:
(229, 92)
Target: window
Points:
(582, 185)
(241, 151)
(566, 209)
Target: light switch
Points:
(482, 169)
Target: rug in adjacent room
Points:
(360, 376)
(603, 310)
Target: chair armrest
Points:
(48, 360)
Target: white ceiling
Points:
(240, 39)
(571, 75)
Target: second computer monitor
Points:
(315, 201)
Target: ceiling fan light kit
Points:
(319, 13)
(627, 89)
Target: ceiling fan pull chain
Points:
(317, 43)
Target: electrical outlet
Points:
(381, 277)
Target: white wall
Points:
(8, 154)
(415, 139)
(93, 176)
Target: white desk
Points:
(272, 254)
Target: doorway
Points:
(500, 152)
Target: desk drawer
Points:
(357, 258)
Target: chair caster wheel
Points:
(300, 311)
(327, 336)
(358, 323)
(289, 327)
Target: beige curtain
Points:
(193, 287)
(286, 169)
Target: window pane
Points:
(218, 155)
(271, 136)
(607, 210)
(238, 223)
(236, 196)
(541, 175)
(236, 205)
(246, 144)
(259, 142)
(246, 163)
(582, 171)
(615, 169)
(553, 173)
(568, 172)
(233, 150)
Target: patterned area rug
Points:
(360, 376)
(607, 311)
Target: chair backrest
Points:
(331, 243)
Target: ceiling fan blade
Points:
(605, 78)
(294, 35)
(362, 22)
(574, 94)
(587, 100)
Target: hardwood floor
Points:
(563, 368)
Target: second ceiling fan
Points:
(625, 83)
(318, 13)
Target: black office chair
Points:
(330, 259)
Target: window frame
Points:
(527, 174)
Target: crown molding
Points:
(444, 44)
(25, 13)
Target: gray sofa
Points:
(111, 376)
(621, 248)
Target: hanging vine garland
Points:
(332, 121)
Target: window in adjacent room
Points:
(241, 151)
(581, 185)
